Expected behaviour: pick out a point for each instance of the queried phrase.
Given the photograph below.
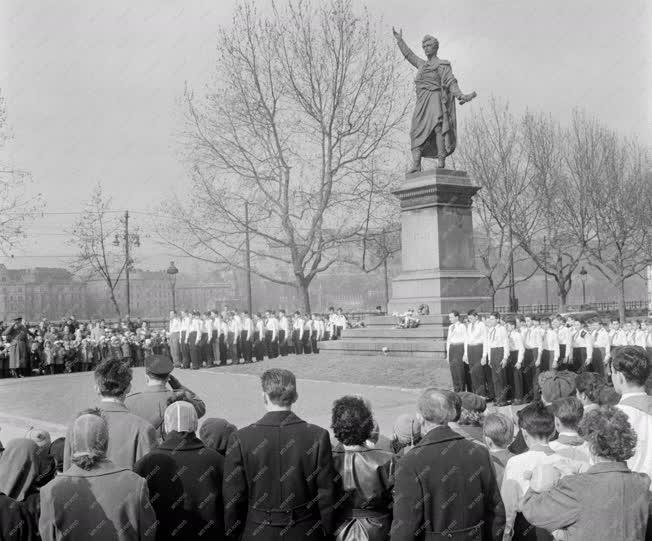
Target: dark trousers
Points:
(259, 347)
(529, 372)
(185, 351)
(514, 378)
(498, 376)
(562, 356)
(282, 343)
(232, 347)
(195, 351)
(215, 347)
(271, 346)
(456, 365)
(307, 343)
(246, 347)
(597, 363)
(478, 379)
(298, 342)
(205, 350)
(223, 349)
(578, 359)
(313, 344)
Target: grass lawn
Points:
(368, 370)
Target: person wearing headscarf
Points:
(406, 434)
(95, 498)
(19, 474)
(185, 479)
(47, 465)
(215, 434)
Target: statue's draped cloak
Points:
(436, 90)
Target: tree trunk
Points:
(493, 300)
(386, 286)
(563, 295)
(115, 303)
(304, 289)
(621, 299)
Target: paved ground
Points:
(232, 392)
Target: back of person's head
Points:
(438, 406)
(280, 386)
(556, 384)
(568, 411)
(56, 452)
(608, 433)
(113, 378)
(19, 468)
(537, 420)
(351, 420)
(180, 416)
(215, 433)
(632, 363)
(90, 439)
(407, 430)
(589, 384)
(608, 396)
(499, 429)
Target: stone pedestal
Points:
(438, 261)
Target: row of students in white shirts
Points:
(559, 336)
(214, 323)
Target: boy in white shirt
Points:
(537, 425)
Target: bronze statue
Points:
(434, 126)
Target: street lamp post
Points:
(172, 277)
(583, 274)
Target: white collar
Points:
(636, 393)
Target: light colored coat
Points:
(107, 502)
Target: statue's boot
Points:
(416, 161)
(441, 163)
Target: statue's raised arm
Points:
(406, 51)
(434, 123)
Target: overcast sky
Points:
(93, 88)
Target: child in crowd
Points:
(568, 413)
(537, 425)
(498, 432)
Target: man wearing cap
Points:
(150, 403)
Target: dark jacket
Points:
(607, 502)
(16, 524)
(185, 485)
(365, 512)
(279, 481)
(106, 502)
(446, 489)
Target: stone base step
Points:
(412, 348)
(384, 333)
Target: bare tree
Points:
(496, 158)
(291, 133)
(621, 198)
(17, 204)
(96, 235)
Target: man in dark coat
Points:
(445, 486)
(279, 478)
(185, 480)
(16, 524)
(18, 353)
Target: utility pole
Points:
(248, 256)
(386, 286)
(127, 264)
(513, 301)
(545, 274)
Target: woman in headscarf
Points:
(19, 474)
(215, 433)
(184, 479)
(367, 474)
(94, 498)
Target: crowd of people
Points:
(193, 340)
(572, 464)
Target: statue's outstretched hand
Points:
(464, 98)
(399, 34)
